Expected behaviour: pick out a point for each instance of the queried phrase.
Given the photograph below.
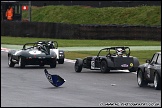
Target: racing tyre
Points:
(104, 67)
(132, 69)
(78, 65)
(10, 62)
(61, 61)
(41, 65)
(157, 82)
(21, 62)
(53, 63)
(140, 79)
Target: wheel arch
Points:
(136, 62)
(140, 68)
(80, 61)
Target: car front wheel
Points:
(140, 79)
(21, 62)
(104, 67)
(10, 62)
(78, 65)
(157, 82)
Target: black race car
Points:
(32, 54)
(113, 58)
(150, 72)
(53, 45)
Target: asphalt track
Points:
(29, 87)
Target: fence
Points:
(79, 31)
(95, 3)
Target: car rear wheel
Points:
(78, 65)
(21, 63)
(104, 67)
(41, 65)
(132, 69)
(60, 61)
(10, 62)
(157, 82)
(140, 79)
(53, 63)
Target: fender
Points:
(80, 61)
(136, 62)
(61, 54)
(11, 52)
(159, 71)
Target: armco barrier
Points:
(79, 31)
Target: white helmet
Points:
(119, 51)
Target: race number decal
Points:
(92, 64)
(35, 52)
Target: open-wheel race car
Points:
(112, 58)
(150, 72)
(32, 54)
(53, 45)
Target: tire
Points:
(78, 66)
(104, 67)
(157, 81)
(41, 65)
(132, 69)
(140, 79)
(53, 63)
(21, 62)
(60, 61)
(10, 62)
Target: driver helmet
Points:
(51, 44)
(119, 51)
(39, 45)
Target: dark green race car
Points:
(32, 54)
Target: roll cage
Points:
(109, 53)
(55, 45)
(42, 47)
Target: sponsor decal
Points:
(131, 64)
(124, 65)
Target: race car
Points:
(150, 72)
(32, 54)
(111, 58)
(53, 45)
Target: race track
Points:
(29, 87)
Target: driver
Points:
(51, 44)
(39, 46)
(119, 52)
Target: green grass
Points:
(141, 15)
(80, 43)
